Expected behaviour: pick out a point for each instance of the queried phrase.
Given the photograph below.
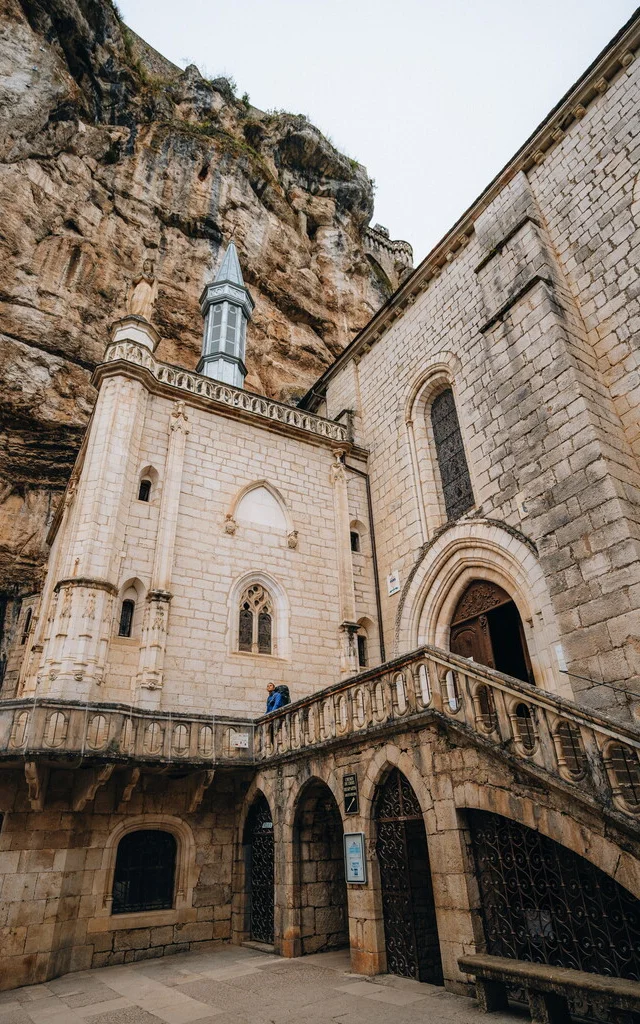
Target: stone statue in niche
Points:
(144, 292)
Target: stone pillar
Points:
(154, 636)
(348, 625)
(80, 594)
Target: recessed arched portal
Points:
(319, 859)
(544, 903)
(486, 626)
(411, 932)
(258, 855)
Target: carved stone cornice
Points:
(87, 582)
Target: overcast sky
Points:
(433, 96)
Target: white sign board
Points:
(240, 740)
(393, 582)
(355, 864)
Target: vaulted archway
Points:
(258, 848)
(411, 931)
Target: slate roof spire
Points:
(226, 306)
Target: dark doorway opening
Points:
(411, 932)
(486, 626)
(321, 885)
(259, 861)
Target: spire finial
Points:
(230, 267)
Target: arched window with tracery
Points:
(452, 461)
(255, 620)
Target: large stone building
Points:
(437, 551)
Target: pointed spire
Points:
(230, 267)
(226, 306)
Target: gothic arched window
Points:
(145, 872)
(452, 461)
(126, 618)
(255, 620)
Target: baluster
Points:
(410, 689)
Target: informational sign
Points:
(350, 793)
(239, 740)
(393, 582)
(355, 865)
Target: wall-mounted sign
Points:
(239, 740)
(355, 865)
(350, 793)
(393, 582)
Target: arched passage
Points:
(544, 903)
(319, 860)
(411, 933)
(486, 626)
(257, 843)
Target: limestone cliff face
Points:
(110, 155)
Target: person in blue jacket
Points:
(275, 698)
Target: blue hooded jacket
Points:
(275, 700)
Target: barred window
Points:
(255, 621)
(145, 872)
(452, 461)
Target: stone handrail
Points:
(594, 754)
(116, 732)
(236, 398)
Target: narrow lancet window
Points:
(144, 492)
(126, 618)
(452, 461)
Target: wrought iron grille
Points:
(145, 871)
(543, 903)
(411, 934)
(452, 461)
(259, 836)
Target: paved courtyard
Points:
(233, 985)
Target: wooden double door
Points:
(486, 626)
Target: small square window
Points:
(355, 541)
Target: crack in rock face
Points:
(111, 155)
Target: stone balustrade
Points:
(597, 756)
(555, 737)
(245, 402)
(57, 729)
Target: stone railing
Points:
(225, 394)
(599, 757)
(57, 729)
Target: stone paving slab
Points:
(233, 985)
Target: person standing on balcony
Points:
(278, 697)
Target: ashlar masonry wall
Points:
(533, 325)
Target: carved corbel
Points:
(96, 777)
(198, 785)
(37, 779)
(133, 777)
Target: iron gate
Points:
(411, 934)
(259, 840)
(543, 903)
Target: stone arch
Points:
(441, 373)
(319, 886)
(285, 525)
(186, 868)
(280, 629)
(149, 473)
(134, 590)
(261, 785)
(621, 865)
(480, 549)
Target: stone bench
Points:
(547, 989)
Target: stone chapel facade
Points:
(438, 551)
